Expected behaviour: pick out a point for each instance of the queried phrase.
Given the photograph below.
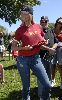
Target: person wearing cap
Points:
(57, 61)
(32, 38)
(44, 54)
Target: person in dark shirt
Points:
(44, 54)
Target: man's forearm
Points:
(44, 47)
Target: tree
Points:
(10, 9)
(5, 34)
(3, 29)
(51, 25)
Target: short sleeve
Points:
(18, 34)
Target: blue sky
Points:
(50, 8)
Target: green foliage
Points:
(3, 29)
(5, 35)
(10, 9)
(51, 25)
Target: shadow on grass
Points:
(17, 95)
(2, 60)
(56, 92)
(10, 67)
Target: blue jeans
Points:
(41, 89)
(24, 64)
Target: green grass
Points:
(12, 88)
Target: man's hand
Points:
(52, 51)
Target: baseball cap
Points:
(27, 9)
(44, 19)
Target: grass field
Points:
(12, 88)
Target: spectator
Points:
(32, 37)
(2, 47)
(57, 62)
(44, 54)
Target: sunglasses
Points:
(24, 12)
(44, 21)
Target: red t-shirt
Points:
(32, 35)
